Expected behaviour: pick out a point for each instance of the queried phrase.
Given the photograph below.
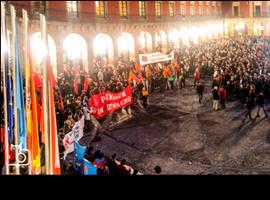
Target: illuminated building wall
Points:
(150, 28)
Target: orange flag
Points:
(32, 119)
(138, 70)
(54, 148)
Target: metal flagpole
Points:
(26, 61)
(3, 58)
(45, 95)
(13, 28)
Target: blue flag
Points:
(89, 168)
(19, 95)
(9, 94)
(79, 152)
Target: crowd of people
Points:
(239, 65)
(242, 72)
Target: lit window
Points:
(192, 8)
(158, 9)
(257, 11)
(123, 8)
(38, 6)
(100, 8)
(213, 9)
(200, 10)
(236, 11)
(171, 9)
(183, 8)
(142, 8)
(207, 10)
(72, 8)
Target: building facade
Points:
(87, 29)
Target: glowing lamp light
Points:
(73, 48)
(124, 43)
(184, 35)
(220, 27)
(158, 39)
(194, 34)
(142, 40)
(240, 26)
(173, 36)
(100, 45)
(202, 32)
(38, 48)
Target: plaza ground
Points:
(185, 137)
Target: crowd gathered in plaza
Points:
(238, 65)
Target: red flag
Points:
(11, 153)
(139, 71)
(86, 84)
(61, 102)
(37, 80)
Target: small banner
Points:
(104, 103)
(156, 57)
(75, 134)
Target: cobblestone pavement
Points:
(185, 137)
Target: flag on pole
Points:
(61, 102)
(4, 64)
(55, 160)
(9, 92)
(32, 118)
(19, 95)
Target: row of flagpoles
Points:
(21, 120)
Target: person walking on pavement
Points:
(260, 104)
(250, 105)
(200, 89)
(215, 98)
(223, 96)
(197, 76)
(182, 78)
(144, 96)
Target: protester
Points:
(200, 89)
(215, 94)
(144, 96)
(223, 96)
(260, 104)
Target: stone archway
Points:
(126, 46)
(145, 40)
(103, 48)
(38, 51)
(75, 48)
(161, 41)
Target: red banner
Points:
(104, 103)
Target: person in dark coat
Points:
(260, 104)
(250, 105)
(200, 89)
